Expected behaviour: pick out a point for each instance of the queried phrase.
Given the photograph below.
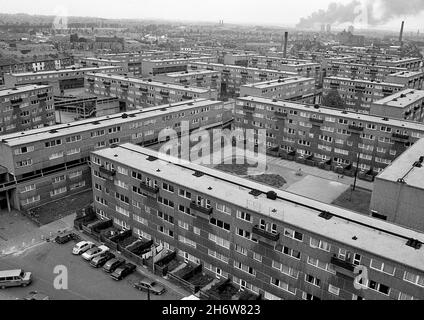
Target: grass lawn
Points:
(359, 202)
(63, 207)
(273, 180)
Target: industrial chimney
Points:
(401, 33)
(286, 39)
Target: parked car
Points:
(113, 264)
(94, 252)
(123, 271)
(147, 284)
(100, 260)
(64, 238)
(35, 295)
(82, 247)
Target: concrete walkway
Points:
(21, 243)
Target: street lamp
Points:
(356, 176)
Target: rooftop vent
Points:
(151, 158)
(96, 122)
(198, 174)
(255, 193)
(124, 116)
(416, 244)
(271, 195)
(326, 215)
(385, 119)
(163, 109)
(53, 131)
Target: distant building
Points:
(346, 38)
(409, 79)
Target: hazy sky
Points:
(280, 12)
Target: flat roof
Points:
(20, 89)
(188, 73)
(337, 112)
(151, 83)
(100, 59)
(245, 68)
(366, 81)
(369, 234)
(290, 62)
(406, 74)
(400, 167)
(61, 130)
(85, 69)
(367, 65)
(402, 98)
(177, 59)
(277, 82)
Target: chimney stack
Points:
(401, 33)
(286, 39)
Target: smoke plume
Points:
(367, 11)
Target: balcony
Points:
(198, 208)
(280, 115)
(16, 101)
(316, 120)
(145, 90)
(249, 109)
(107, 173)
(342, 267)
(400, 137)
(42, 95)
(186, 97)
(265, 234)
(90, 80)
(124, 86)
(356, 128)
(165, 93)
(152, 191)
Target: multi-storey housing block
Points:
(356, 95)
(233, 77)
(60, 80)
(138, 93)
(44, 165)
(193, 78)
(102, 62)
(409, 79)
(273, 243)
(336, 137)
(27, 107)
(407, 104)
(293, 89)
(154, 67)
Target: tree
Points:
(333, 100)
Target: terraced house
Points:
(27, 107)
(354, 94)
(327, 136)
(42, 165)
(275, 244)
(142, 93)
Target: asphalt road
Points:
(85, 282)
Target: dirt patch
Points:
(273, 180)
(62, 208)
(358, 200)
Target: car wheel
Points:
(2, 287)
(24, 285)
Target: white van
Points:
(14, 278)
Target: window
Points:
(321, 265)
(219, 241)
(183, 224)
(184, 193)
(186, 241)
(357, 259)
(220, 224)
(382, 267)
(167, 187)
(283, 285)
(257, 257)
(404, 296)
(166, 217)
(184, 209)
(293, 234)
(122, 171)
(413, 278)
(218, 256)
(312, 280)
(245, 268)
(379, 287)
(290, 252)
(223, 208)
(166, 202)
(319, 244)
(334, 290)
(122, 211)
(196, 230)
(244, 233)
(240, 249)
(244, 216)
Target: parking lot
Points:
(85, 282)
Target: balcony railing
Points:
(16, 101)
(346, 265)
(199, 208)
(402, 137)
(265, 234)
(107, 173)
(249, 109)
(356, 128)
(316, 120)
(165, 93)
(42, 95)
(152, 190)
(281, 115)
(185, 97)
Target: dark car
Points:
(65, 238)
(147, 284)
(123, 271)
(100, 261)
(113, 264)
